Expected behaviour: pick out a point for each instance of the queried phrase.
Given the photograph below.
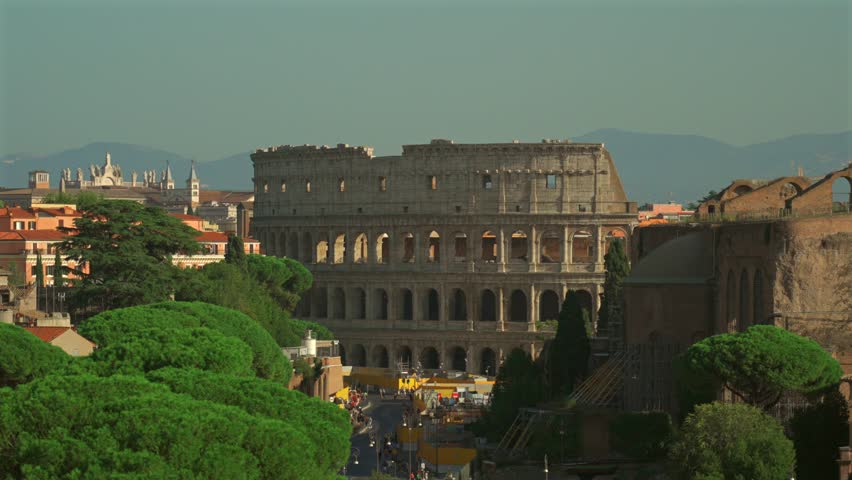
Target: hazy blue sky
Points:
(209, 79)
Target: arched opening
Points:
(458, 359)
(582, 247)
(458, 305)
(759, 314)
(340, 248)
(584, 298)
(518, 306)
(307, 242)
(617, 235)
(380, 357)
(319, 297)
(282, 245)
(382, 248)
(432, 305)
(433, 249)
(519, 246)
(489, 247)
(731, 301)
(358, 356)
(841, 194)
(322, 251)
(488, 362)
(789, 190)
(407, 248)
(742, 189)
(359, 305)
(551, 248)
(429, 358)
(548, 306)
(342, 353)
(293, 246)
(488, 307)
(744, 321)
(406, 305)
(459, 247)
(338, 308)
(403, 357)
(360, 252)
(380, 304)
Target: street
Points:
(386, 415)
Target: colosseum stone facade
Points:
(448, 255)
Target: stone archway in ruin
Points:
(519, 246)
(488, 247)
(488, 362)
(380, 357)
(319, 298)
(339, 254)
(518, 306)
(358, 356)
(582, 247)
(359, 303)
(404, 357)
(433, 247)
(382, 248)
(432, 305)
(360, 252)
(306, 253)
(458, 359)
(338, 304)
(406, 305)
(458, 305)
(488, 306)
(548, 306)
(550, 250)
(429, 358)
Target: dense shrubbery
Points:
(518, 385)
(643, 436)
(23, 357)
(154, 348)
(736, 441)
(190, 408)
(110, 327)
(266, 289)
(96, 427)
(321, 423)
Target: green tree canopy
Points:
(323, 423)
(284, 278)
(518, 385)
(83, 426)
(568, 358)
(612, 303)
(58, 269)
(236, 251)
(267, 290)
(732, 441)
(39, 271)
(111, 327)
(127, 248)
(24, 357)
(761, 363)
(150, 349)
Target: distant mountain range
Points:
(653, 167)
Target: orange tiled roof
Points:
(218, 237)
(47, 334)
(16, 212)
(42, 235)
(184, 216)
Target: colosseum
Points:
(449, 255)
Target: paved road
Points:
(386, 415)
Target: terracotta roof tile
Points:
(47, 334)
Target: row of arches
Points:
(429, 358)
(426, 304)
(744, 300)
(547, 247)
